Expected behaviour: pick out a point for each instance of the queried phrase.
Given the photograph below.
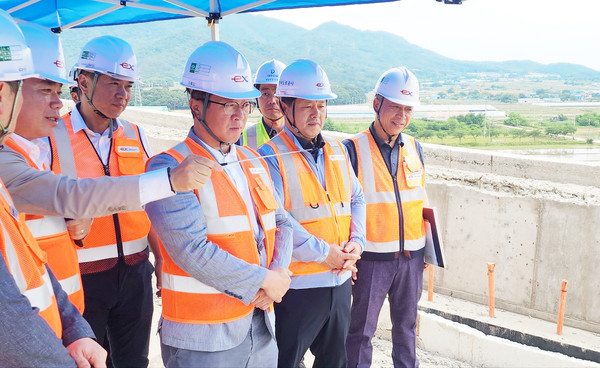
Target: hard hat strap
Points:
(12, 119)
(293, 125)
(89, 98)
(390, 137)
(208, 130)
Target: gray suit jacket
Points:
(45, 193)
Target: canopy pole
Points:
(213, 23)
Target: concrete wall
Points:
(536, 219)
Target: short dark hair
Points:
(287, 100)
(87, 73)
(13, 85)
(196, 95)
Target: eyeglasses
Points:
(231, 107)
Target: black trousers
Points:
(118, 307)
(317, 318)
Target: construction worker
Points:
(268, 105)
(38, 324)
(226, 247)
(324, 199)
(389, 165)
(113, 259)
(37, 119)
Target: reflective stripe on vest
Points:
(255, 136)
(53, 238)
(46, 226)
(26, 263)
(110, 250)
(324, 214)
(126, 157)
(188, 300)
(383, 222)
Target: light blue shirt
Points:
(181, 225)
(307, 247)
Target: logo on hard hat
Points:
(88, 55)
(201, 69)
(272, 71)
(286, 83)
(126, 66)
(406, 93)
(59, 64)
(239, 78)
(5, 53)
(320, 85)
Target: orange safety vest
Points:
(118, 235)
(53, 238)
(383, 219)
(188, 300)
(26, 262)
(325, 214)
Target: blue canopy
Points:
(64, 14)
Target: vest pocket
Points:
(265, 195)
(130, 156)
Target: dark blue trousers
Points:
(402, 280)
(118, 307)
(316, 318)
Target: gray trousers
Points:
(402, 280)
(258, 349)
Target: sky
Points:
(546, 31)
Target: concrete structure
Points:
(536, 219)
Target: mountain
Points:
(348, 55)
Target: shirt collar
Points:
(79, 124)
(269, 129)
(37, 149)
(301, 142)
(217, 155)
(380, 142)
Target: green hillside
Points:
(348, 55)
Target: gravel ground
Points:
(382, 349)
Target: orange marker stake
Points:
(430, 284)
(492, 301)
(561, 307)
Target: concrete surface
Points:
(512, 331)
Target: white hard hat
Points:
(73, 76)
(219, 69)
(400, 86)
(269, 72)
(304, 79)
(47, 53)
(15, 56)
(111, 56)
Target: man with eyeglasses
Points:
(227, 246)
